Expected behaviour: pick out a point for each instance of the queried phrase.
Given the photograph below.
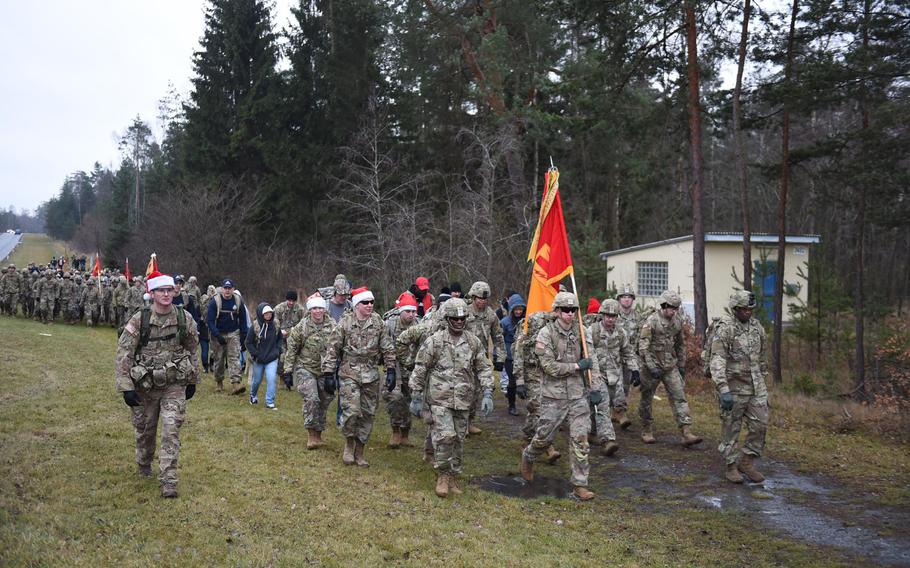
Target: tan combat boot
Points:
(312, 441)
(395, 440)
(552, 455)
(647, 436)
(319, 440)
(473, 430)
(747, 467)
(526, 468)
(688, 438)
(453, 486)
(623, 420)
(583, 493)
(169, 490)
(442, 485)
(610, 448)
(239, 388)
(732, 474)
(358, 455)
(405, 432)
(348, 456)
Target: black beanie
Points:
(291, 295)
(455, 287)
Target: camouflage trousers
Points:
(107, 314)
(754, 411)
(553, 412)
(601, 425)
(315, 400)
(398, 406)
(448, 432)
(227, 356)
(74, 309)
(168, 404)
(92, 314)
(626, 387)
(119, 314)
(64, 307)
(675, 391)
(478, 398)
(618, 399)
(358, 408)
(45, 310)
(9, 302)
(532, 383)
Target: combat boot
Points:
(405, 432)
(526, 468)
(747, 468)
(473, 430)
(453, 486)
(239, 388)
(647, 436)
(610, 448)
(318, 435)
(688, 438)
(395, 441)
(442, 485)
(220, 386)
(145, 471)
(169, 490)
(348, 456)
(358, 454)
(312, 441)
(428, 457)
(583, 493)
(732, 474)
(623, 420)
(552, 455)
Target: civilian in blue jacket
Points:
(509, 324)
(227, 323)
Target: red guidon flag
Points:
(127, 273)
(549, 249)
(96, 270)
(153, 265)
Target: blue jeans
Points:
(204, 348)
(271, 373)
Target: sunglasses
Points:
(367, 302)
(669, 307)
(568, 310)
(462, 318)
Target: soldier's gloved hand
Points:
(726, 401)
(521, 391)
(390, 380)
(635, 380)
(329, 385)
(416, 403)
(190, 391)
(498, 366)
(131, 398)
(221, 341)
(585, 364)
(486, 405)
(682, 373)
(595, 397)
(655, 372)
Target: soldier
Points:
(528, 375)
(204, 327)
(45, 292)
(118, 301)
(76, 307)
(338, 297)
(662, 352)
(227, 324)
(157, 372)
(91, 302)
(630, 321)
(611, 346)
(307, 342)
(67, 297)
(483, 323)
(406, 346)
(564, 392)
(288, 314)
(739, 364)
(357, 344)
(398, 400)
(193, 290)
(450, 365)
(134, 297)
(25, 292)
(10, 285)
(107, 298)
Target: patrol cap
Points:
(227, 283)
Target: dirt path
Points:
(811, 508)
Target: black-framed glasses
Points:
(568, 310)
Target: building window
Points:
(652, 278)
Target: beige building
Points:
(654, 267)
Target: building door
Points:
(766, 274)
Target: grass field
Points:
(38, 248)
(251, 495)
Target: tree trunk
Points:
(782, 208)
(738, 148)
(698, 228)
(858, 288)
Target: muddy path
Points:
(813, 508)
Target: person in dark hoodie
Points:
(263, 344)
(509, 324)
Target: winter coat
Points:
(509, 323)
(263, 340)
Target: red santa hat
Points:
(361, 294)
(593, 306)
(315, 301)
(406, 301)
(158, 280)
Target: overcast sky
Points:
(75, 73)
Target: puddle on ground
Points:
(518, 487)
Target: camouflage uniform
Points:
(45, 292)
(91, 302)
(107, 298)
(407, 344)
(10, 285)
(193, 290)
(287, 317)
(450, 368)
(486, 327)
(118, 301)
(66, 296)
(739, 366)
(76, 307)
(526, 367)
(358, 345)
(398, 400)
(614, 353)
(631, 324)
(563, 396)
(25, 293)
(159, 374)
(134, 299)
(306, 347)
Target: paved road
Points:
(7, 243)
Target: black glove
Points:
(242, 346)
(655, 372)
(585, 364)
(726, 401)
(222, 341)
(498, 366)
(636, 379)
(190, 391)
(405, 389)
(390, 380)
(521, 391)
(329, 383)
(595, 397)
(131, 398)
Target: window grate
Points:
(652, 278)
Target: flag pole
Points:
(584, 342)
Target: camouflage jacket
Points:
(613, 352)
(523, 353)
(359, 346)
(194, 291)
(485, 325)
(660, 343)
(107, 294)
(307, 344)
(119, 296)
(409, 341)
(559, 350)
(67, 290)
(163, 359)
(11, 282)
(91, 294)
(289, 316)
(631, 324)
(739, 357)
(134, 299)
(446, 368)
(395, 326)
(46, 288)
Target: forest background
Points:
(391, 139)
